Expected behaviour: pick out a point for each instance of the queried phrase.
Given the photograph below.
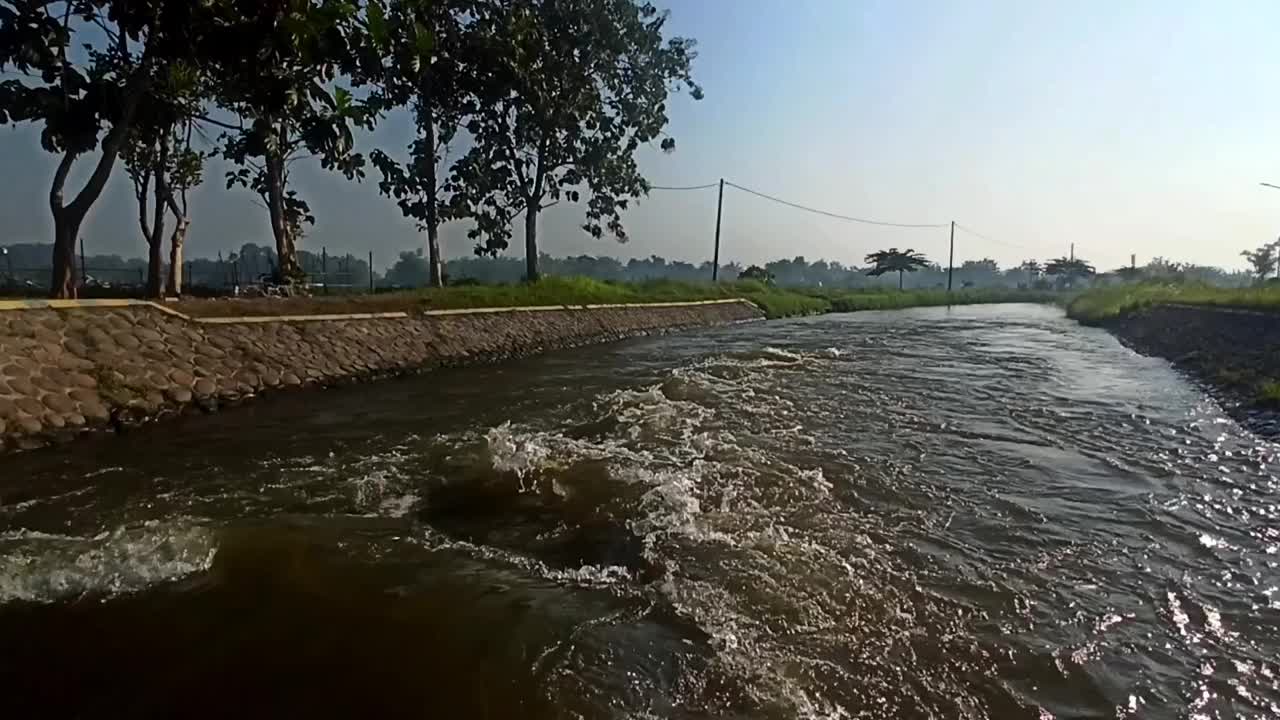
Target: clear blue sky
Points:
(1141, 126)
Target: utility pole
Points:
(84, 276)
(1073, 251)
(371, 290)
(951, 259)
(715, 259)
(1133, 262)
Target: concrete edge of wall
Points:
(13, 305)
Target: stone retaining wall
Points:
(67, 370)
(1234, 353)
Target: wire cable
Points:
(837, 216)
(988, 238)
(690, 187)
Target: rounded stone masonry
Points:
(65, 372)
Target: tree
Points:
(1129, 273)
(1033, 269)
(755, 272)
(1263, 260)
(410, 270)
(569, 91)
(158, 150)
(276, 67)
(425, 44)
(186, 171)
(86, 101)
(1162, 267)
(147, 158)
(1069, 270)
(891, 260)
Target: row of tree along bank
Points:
(552, 98)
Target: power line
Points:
(971, 231)
(690, 187)
(834, 215)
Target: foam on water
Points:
(45, 568)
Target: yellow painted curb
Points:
(231, 320)
(294, 318)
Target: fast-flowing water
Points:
(975, 513)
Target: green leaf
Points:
(378, 25)
(342, 98)
(423, 40)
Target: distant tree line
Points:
(884, 269)
(551, 99)
(409, 271)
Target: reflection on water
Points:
(976, 513)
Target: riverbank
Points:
(775, 301)
(71, 367)
(1102, 304)
(1228, 340)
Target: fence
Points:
(343, 274)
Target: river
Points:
(983, 512)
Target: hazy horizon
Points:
(1141, 128)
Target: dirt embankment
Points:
(66, 371)
(1234, 353)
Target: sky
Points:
(1141, 127)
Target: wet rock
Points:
(182, 377)
(28, 424)
(153, 401)
(47, 336)
(94, 412)
(83, 394)
(14, 370)
(126, 340)
(8, 408)
(22, 386)
(204, 387)
(59, 403)
(179, 395)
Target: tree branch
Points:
(60, 180)
(97, 20)
(219, 123)
(140, 187)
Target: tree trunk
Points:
(66, 228)
(281, 228)
(155, 240)
(155, 263)
(899, 280)
(531, 242)
(175, 256)
(433, 214)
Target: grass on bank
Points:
(548, 291)
(1102, 304)
(856, 300)
(775, 301)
